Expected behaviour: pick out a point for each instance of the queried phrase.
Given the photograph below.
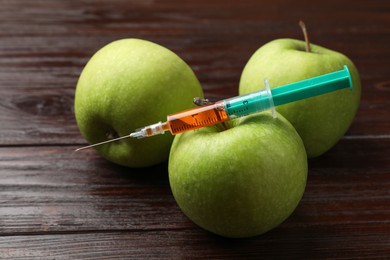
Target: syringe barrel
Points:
(248, 104)
(220, 111)
(198, 117)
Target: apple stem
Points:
(305, 34)
(199, 101)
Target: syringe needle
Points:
(105, 142)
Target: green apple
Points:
(128, 84)
(320, 121)
(239, 182)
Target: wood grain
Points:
(43, 48)
(51, 196)
(56, 204)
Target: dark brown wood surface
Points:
(55, 204)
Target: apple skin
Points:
(128, 84)
(320, 121)
(240, 182)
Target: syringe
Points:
(239, 106)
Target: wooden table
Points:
(55, 204)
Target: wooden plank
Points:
(51, 190)
(47, 74)
(349, 241)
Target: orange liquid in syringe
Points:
(197, 118)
